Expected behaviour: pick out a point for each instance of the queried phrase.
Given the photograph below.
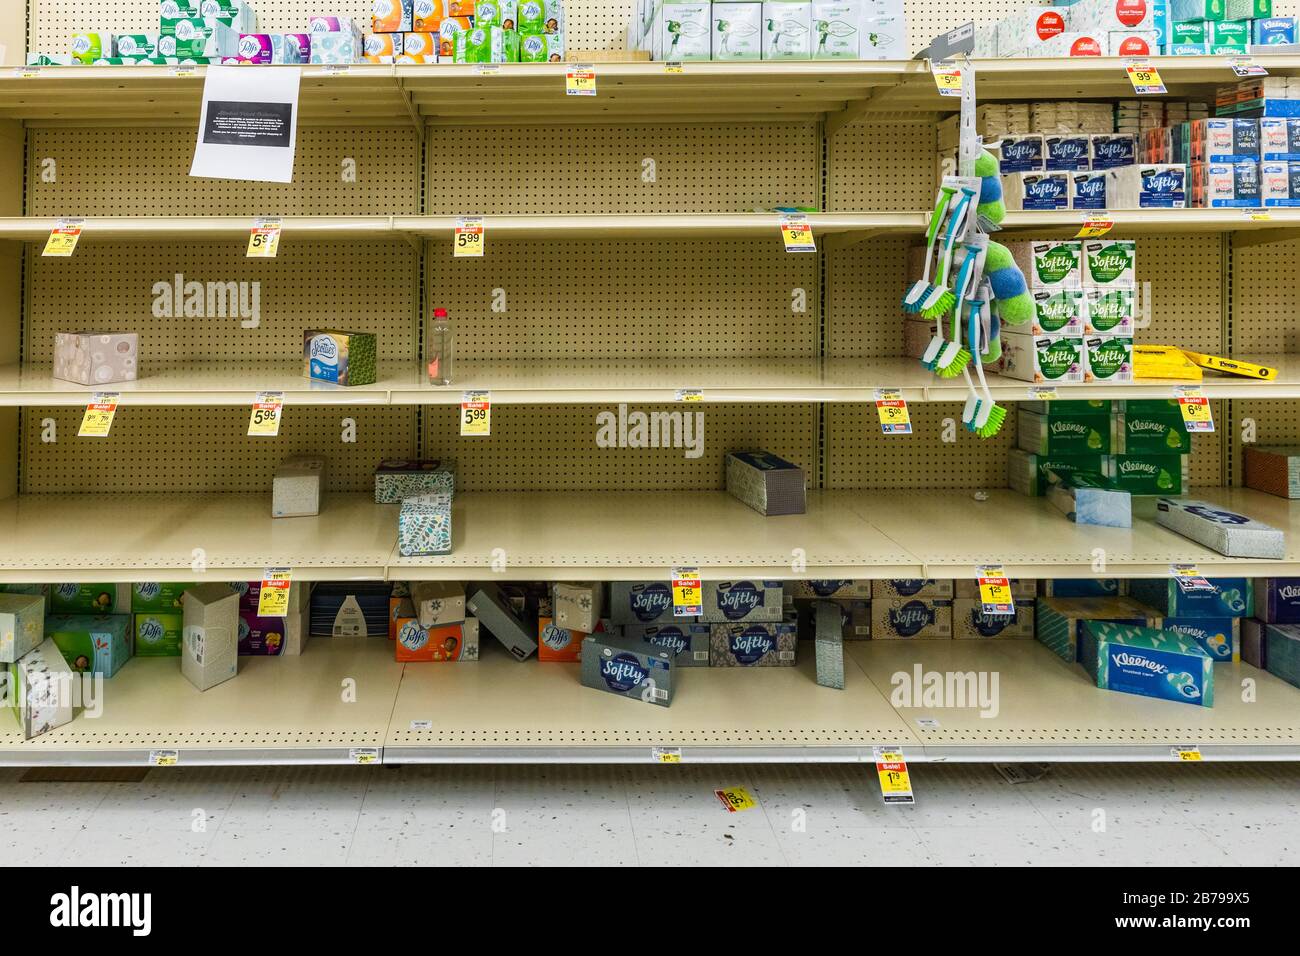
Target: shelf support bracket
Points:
(417, 120)
(850, 114)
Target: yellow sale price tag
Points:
(1197, 414)
(580, 80)
(273, 596)
(690, 395)
(891, 771)
(1187, 753)
(1259, 215)
(476, 414)
(265, 418)
(1094, 228)
(673, 66)
(164, 758)
(63, 238)
(995, 590)
(470, 237)
(735, 799)
(364, 755)
(688, 599)
(264, 240)
(98, 419)
(666, 755)
(1145, 79)
(797, 234)
(891, 408)
(947, 79)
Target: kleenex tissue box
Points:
(688, 642)
(1231, 597)
(627, 667)
(733, 601)
(1147, 662)
(22, 624)
(771, 644)
(495, 614)
(424, 525)
(1219, 637)
(1225, 531)
(296, 487)
(1059, 620)
(40, 690)
(210, 646)
(397, 479)
(1277, 600)
(768, 484)
(96, 358)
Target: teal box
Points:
(91, 643)
(1148, 662)
(1232, 597)
(1282, 652)
(1058, 622)
(1220, 637)
(153, 596)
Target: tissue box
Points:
(685, 31)
(787, 30)
(1052, 359)
(296, 488)
(438, 602)
(1147, 662)
(1147, 186)
(969, 622)
(392, 16)
(90, 598)
(158, 635)
(420, 44)
(416, 643)
(1072, 43)
(378, 45)
(136, 44)
(883, 38)
(1149, 427)
(1036, 191)
(211, 649)
(1057, 313)
(1279, 184)
(147, 596)
(687, 642)
(1148, 474)
(495, 614)
(89, 47)
(1030, 473)
(1026, 28)
(753, 645)
(1069, 153)
(1109, 312)
(1219, 637)
(738, 31)
(1088, 190)
(829, 589)
(855, 617)
(40, 690)
(1283, 652)
(1109, 264)
(828, 645)
(1233, 597)
(96, 358)
(343, 358)
(835, 26)
(578, 605)
(1277, 600)
(186, 37)
(424, 525)
(1254, 641)
(541, 48)
(448, 29)
(1133, 44)
(235, 14)
(1049, 265)
(1270, 30)
(620, 665)
(335, 47)
(22, 625)
(768, 484)
(1221, 530)
(348, 610)
(1107, 359)
(910, 619)
(1111, 15)
(1022, 154)
(1059, 620)
(1088, 498)
(396, 479)
(1082, 587)
(98, 644)
(1247, 9)
(268, 636)
(649, 602)
(1060, 429)
(1112, 150)
(912, 588)
(735, 601)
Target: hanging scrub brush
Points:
(921, 288)
(989, 416)
(940, 299)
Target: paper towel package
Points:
(1277, 600)
(1147, 662)
(910, 619)
(648, 602)
(768, 484)
(296, 487)
(22, 625)
(969, 622)
(828, 644)
(1036, 192)
(578, 605)
(1231, 597)
(40, 690)
(1147, 186)
(210, 650)
(1022, 153)
(1058, 620)
(495, 614)
(1227, 532)
(92, 643)
(753, 645)
(688, 641)
(438, 602)
(1219, 637)
(628, 667)
(741, 601)
(1067, 152)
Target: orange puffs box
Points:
(447, 31)
(460, 8)
(417, 643)
(555, 643)
(428, 14)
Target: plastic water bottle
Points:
(440, 349)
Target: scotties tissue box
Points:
(210, 652)
(396, 479)
(96, 358)
(296, 487)
(649, 602)
(424, 526)
(1231, 597)
(733, 601)
(1148, 662)
(1218, 528)
(494, 613)
(688, 641)
(1058, 621)
(1220, 637)
(578, 605)
(912, 588)
(90, 598)
(828, 644)
(91, 643)
(910, 619)
(768, 484)
(969, 622)
(40, 690)
(628, 667)
(341, 358)
(1277, 600)
(22, 624)
(771, 644)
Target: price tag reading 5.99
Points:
(476, 414)
(470, 238)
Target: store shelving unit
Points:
(621, 289)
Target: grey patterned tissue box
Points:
(398, 479)
(424, 526)
(768, 484)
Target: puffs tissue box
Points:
(40, 689)
(424, 525)
(1147, 662)
(295, 490)
(92, 643)
(768, 484)
(396, 479)
(96, 358)
(22, 624)
(343, 358)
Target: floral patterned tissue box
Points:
(424, 526)
(96, 358)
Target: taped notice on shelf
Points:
(248, 124)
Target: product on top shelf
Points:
(738, 31)
(96, 358)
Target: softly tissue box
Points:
(96, 358)
(1147, 662)
(737, 601)
(494, 613)
(688, 641)
(1224, 531)
(296, 488)
(642, 602)
(40, 690)
(628, 667)
(396, 479)
(22, 625)
(424, 526)
(210, 646)
(753, 645)
(768, 484)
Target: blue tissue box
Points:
(1082, 587)
(1220, 637)
(1147, 662)
(1277, 600)
(1232, 597)
(1089, 499)
(1273, 30)
(424, 525)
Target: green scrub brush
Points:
(989, 416)
(940, 299)
(953, 358)
(920, 288)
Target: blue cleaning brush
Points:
(989, 416)
(940, 298)
(921, 288)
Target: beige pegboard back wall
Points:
(1265, 311)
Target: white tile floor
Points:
(966, 814)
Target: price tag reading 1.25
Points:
(891, 407)
(273, 595)
(797, 234)
(63, 238)
(580, 80)
(1197, 416)
(99, 416)
(1145, 79)
(687, 598)
(470, 237)
(265, 418)
(264, 240)
(1094, 228)
(895, 781)
(1189, 578)
(995, 590)
(476, 414)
